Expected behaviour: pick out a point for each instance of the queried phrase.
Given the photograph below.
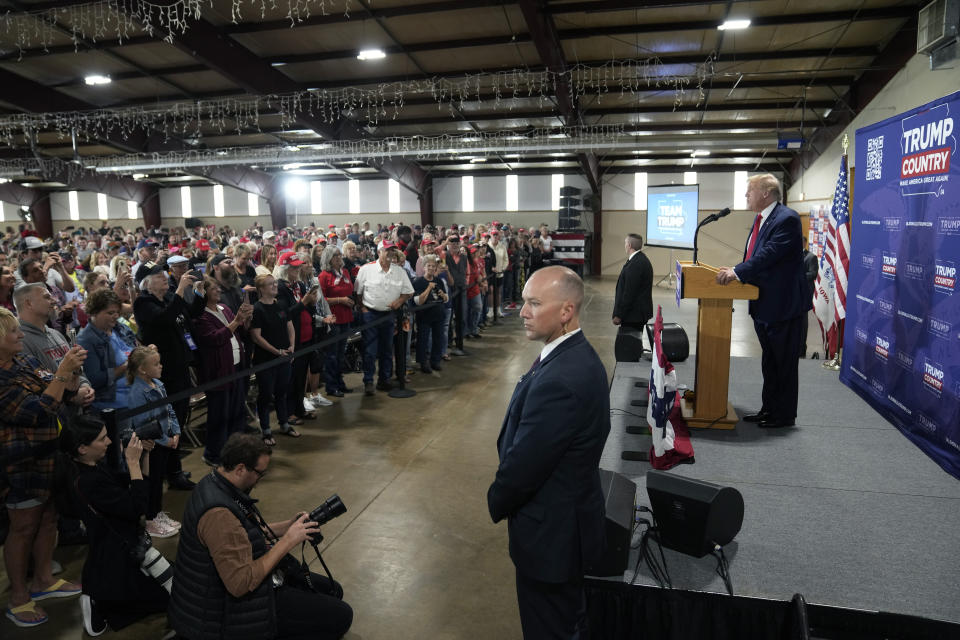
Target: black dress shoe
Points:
(775, 424)
(346, 390)
(335, 394)
(384, 385)
(760, 416)
(181, 483)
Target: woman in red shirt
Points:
(337, 287)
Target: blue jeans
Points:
(474, 309)
(430, 335)
(336, 353)
(273, 385)
(378, 345)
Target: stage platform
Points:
(841, 508)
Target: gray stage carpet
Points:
(841, 508)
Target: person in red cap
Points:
(383, 287)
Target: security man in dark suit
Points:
(548, 482)
(633, 303)
(773, 261)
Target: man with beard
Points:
(225, 273)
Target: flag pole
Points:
(834, 362)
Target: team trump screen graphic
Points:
(902, 339)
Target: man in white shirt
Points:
(383, 287)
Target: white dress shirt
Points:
(378, 288)
(553, 344)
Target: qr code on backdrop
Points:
(874, 157)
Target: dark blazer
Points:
(633, 303)
(165, 323)
(776, 268)
(548, 482)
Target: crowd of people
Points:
(100, 322)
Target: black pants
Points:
(496, 292)
(304, 614)
(780, 342)
(458, 299)
(552, 610)
(225, 415)
(273, 385)
(299, 382)
(159, 459)
(175, 381)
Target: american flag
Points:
(670, 439)
(830, 294)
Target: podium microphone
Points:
(713, 217)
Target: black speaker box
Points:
(673, 339)
(619, 495)
(192, 223)
(567, 201)
(569, 211)
(569, 191)
(628, 346)
(693, 515)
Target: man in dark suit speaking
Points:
(773, 261)
(548, 483)
(633, 304)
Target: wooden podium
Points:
(707, 407)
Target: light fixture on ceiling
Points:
(278, 64)
(291, 148)
(699, 153)
(139, 176)
(371, 54)
(477, 160)
(96, 79)
(292, 166)
(4, 180)
(733, 25)
(295, 188)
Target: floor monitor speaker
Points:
(693, 515)
(674, 340)
(619, 498)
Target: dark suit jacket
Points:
(776, 268)
(633, 303)
(548, 483)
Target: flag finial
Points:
(845, 143)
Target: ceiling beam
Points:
(891, 59)
(544, 35)
(217, 50)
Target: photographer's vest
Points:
(201, 608)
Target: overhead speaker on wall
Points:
(619, 498)
(693, 515)
(192, 223)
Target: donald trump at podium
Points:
(773, 262)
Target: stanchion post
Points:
(400, 361)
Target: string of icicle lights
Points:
(370, 105)
(560, 139)
(122, 19)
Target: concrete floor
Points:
(416, 551)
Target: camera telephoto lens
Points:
(327, 511)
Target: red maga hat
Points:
(290, 259)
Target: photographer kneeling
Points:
(230, 579)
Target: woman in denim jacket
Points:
(108, 344)
(143, 374)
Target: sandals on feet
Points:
(269, 441)
(13, 613)
(293, 433)
(59, 589)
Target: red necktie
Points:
(536, 363)
(753, 236)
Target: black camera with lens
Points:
(330, 509)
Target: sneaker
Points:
(165, 518)
(93, 623)
(55, 567)
(458, 352)
(368, 388)
(159, 530)
(308, 404)
(320, 401)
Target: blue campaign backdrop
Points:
(901, 341)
